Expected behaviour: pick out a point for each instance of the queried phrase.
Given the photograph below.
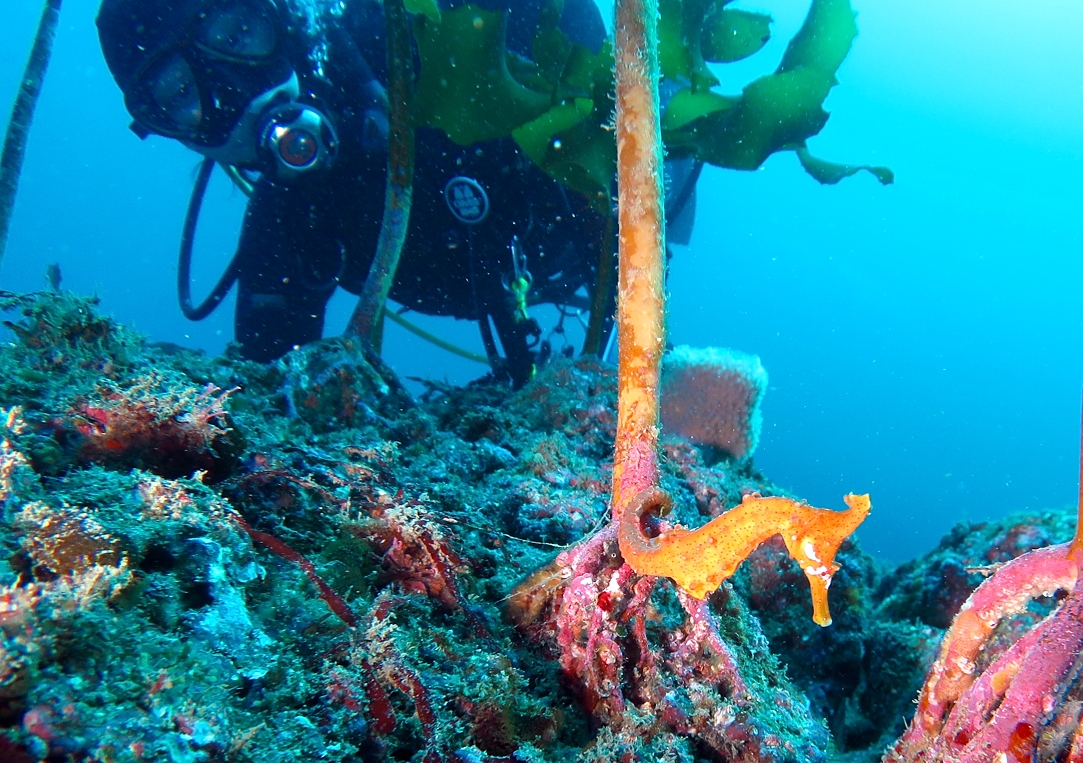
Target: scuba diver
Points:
(290, 98)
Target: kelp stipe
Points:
(22, 114)
(367, 318)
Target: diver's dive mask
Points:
(226, 89)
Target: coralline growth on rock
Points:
(171, 430)
(338, 595)
(1006, 685)
(64, 336)
(711, 397)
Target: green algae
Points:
(558, 104)
(465, 87)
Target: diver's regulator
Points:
(294, 139)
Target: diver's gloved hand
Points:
(518, 337)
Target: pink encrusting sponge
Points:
(711, 396)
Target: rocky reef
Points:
(219, 560)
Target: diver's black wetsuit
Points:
(304, 237)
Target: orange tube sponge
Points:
(700, 560)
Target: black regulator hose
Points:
(184, 265)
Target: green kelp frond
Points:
(688, 105)
(730, 35)
(781, 110)
(573, 141)
(680, 58)
(465, 87)
(824, 40)
(776, 112)
(427, 8)
(830, 173)
(558, 104)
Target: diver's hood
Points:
(133, 31)
(191, 69)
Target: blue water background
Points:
(923, 340)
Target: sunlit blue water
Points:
(923, 340)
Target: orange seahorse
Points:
(700, 560)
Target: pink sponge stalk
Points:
(711, 396)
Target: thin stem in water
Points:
(367, 316)
(22, 114)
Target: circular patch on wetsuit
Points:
(466, 199)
